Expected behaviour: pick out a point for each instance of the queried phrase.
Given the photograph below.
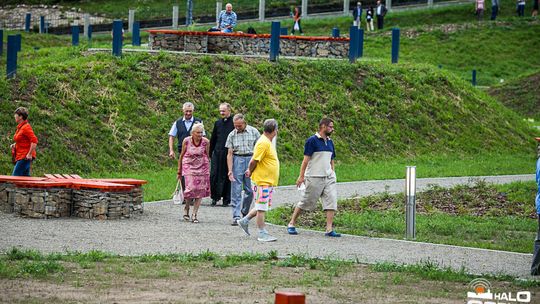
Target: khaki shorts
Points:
(319, 187)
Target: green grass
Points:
(96, 113)
(478, 217)
(521, 94)
(162, 181)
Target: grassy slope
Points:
(95, 112)
(521, 95)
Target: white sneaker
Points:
(265, 237)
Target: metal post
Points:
(353, 43)
(175, 17)
(335, 32)
(27, 22)
(395, 45)
(117, 38)
(1, 42)
(274, 40)
(75, 35)
(346, 7)
(86, 21)
(41, 24)
(474, 77)
(360, 43)
(410, 209)
(261, 10)
(18, 44)
(388, 4)
(11, 62)
(304, 8)
(430, 3)
(189, 13)
(131, 19)
(219, 6)
(136, 37)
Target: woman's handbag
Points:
(13, 155)
(178, 195)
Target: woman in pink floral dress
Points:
(194, 165)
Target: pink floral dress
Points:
(196, 170)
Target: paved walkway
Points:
(160, 230)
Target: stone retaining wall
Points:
(244, 44)
(42, 203)
(6, 197)
(93, 204)
(62, 202)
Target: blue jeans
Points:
(22, 168)
(226, 30)
(240, 165)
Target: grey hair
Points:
(188, 105)
(238, 116)
(270, 125)
(228, 105)
(198, 126)
(228, 4)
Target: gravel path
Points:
(160, 230)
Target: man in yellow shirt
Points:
(264, 172)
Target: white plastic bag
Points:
(178, 195)
(302, 189)
(296, 26)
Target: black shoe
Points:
(214, 202)
(235, 222)
(225, 205)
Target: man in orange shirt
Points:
(25, 143)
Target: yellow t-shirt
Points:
(267, 171)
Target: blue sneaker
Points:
(292, 230)
(332, 234)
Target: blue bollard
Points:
(360, 43)
(27, 22)
(335, 32)
(274, 40)
(41, 24)
(474, 77)
(11, 63)
(283, 31)
(75, 35)
(1, 42)
(395, 45)
(117, 38)
(18, 43)
(353, 43)
(136, 37)
(89, 34)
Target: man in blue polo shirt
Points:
(318, 175)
